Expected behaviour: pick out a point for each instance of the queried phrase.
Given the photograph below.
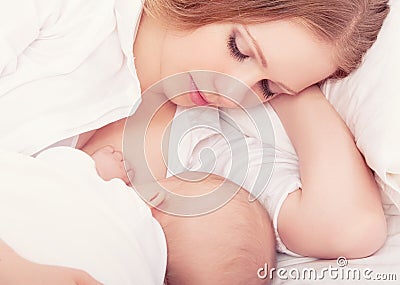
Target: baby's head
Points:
(225, 246)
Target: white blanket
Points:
(55, 209)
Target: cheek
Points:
(196, 51)
(175, 87)
(173, 60)
(305, 80)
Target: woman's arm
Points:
(338, 211)
(15, 270)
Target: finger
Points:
(107, 148)
(127, 165)
(130, 174)
(118, 156)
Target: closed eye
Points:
(265, 88)
(234, 50)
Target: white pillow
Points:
(369, 102)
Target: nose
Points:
(239, 88)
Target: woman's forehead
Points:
(294, 55)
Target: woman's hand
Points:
(15, 270)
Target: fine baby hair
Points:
(224, 246)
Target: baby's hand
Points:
(110, 164)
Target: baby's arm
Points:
(110, 164)
(338, 211)
(104, 146)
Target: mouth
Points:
(196, 96)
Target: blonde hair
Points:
(351, 26)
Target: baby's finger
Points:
(130, 174)
(118, 155)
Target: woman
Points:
(79, 64)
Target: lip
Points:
(196, 96)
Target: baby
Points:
(75, 219)
(225, 246)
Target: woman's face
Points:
(270, 58)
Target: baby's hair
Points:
(248, 256)
(351, 26)
(226, 246)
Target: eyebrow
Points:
(259, 52)
(263, 60)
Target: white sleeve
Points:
(269, 170)
(273, 169)
(274, 156)
(19, 26)
(285, 179)
(285, 176)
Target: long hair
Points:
(351, 26)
